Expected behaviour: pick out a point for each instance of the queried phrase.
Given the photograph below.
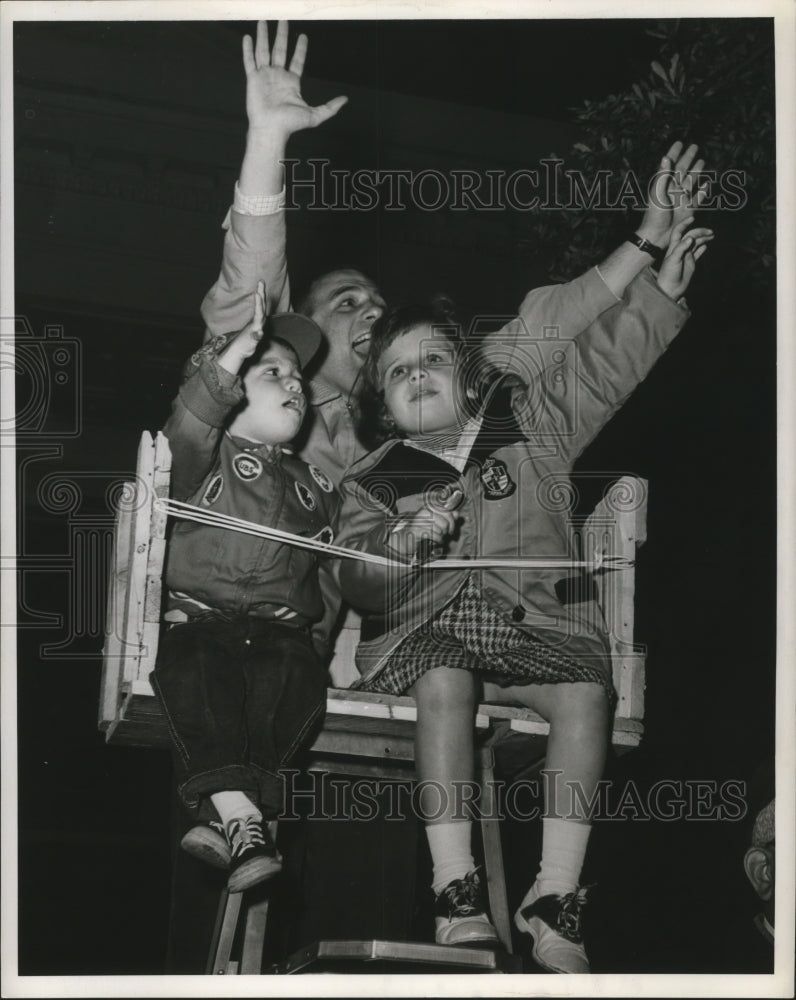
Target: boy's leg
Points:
(285, 695)
(286, 686)
(200, 686)
(444, 761)
(579, 717)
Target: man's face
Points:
(345, 305)
(275, 401)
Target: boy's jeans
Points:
(240, 697)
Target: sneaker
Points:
(254, 855)
(460, 914)
(208, 842)
(554, 923)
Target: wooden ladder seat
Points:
(130, 715)
(363, 734)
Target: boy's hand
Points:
(674, 195)
(684, 251)
(273, 92)
(418, 536)
(244, 344)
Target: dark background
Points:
(128, 138)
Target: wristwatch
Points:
(657, 253)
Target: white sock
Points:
(563, 850)
(234, 805)
(451, 852)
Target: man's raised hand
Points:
(674, 195)
(273, 88)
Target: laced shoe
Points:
(254, 855)
(554, 924)
(460, 915)
(208, 842)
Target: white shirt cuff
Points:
(258, 204)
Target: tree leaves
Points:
(712, 82)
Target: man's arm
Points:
(254, 243)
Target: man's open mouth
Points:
(361, 345)
(422, 393)
(294, 403)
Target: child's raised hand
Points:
(244, 344)
(677, 192)
(684, 251)
(273, 89)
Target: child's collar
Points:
(272, 453)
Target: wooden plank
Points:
(630, 686)
(619, 525)
(161, 475)
(342, 667)
(493, 850)
(224, 934)
(251, 961)
(155, 556)
(369, 745)
(136, 583)
(434, 958)
(141, 705)
(113, 650)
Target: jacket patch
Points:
(306, 499)
(498, 484)
(321, 479)
(213, 491)
(247, 467)
(325, 535)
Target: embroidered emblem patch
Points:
(321, 479)
(498, 484)
(306, 498)
(325, 535)
(213, 491)
(247, 467)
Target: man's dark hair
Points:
(303, 298)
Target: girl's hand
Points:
(678, 190)
(416, 537)
(684, 251)
(244, 344)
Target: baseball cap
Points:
(302, 333)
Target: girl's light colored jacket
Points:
(570, 360)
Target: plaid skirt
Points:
(469, 635)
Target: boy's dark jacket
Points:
(234, 573)
(571, 359)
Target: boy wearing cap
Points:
(238, 674)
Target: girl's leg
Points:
(579, 717)
(444, 755)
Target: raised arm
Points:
(595, 373)
(674, 193)
(254, 243)
(563, 312)
(208, 394)
(275, 108)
